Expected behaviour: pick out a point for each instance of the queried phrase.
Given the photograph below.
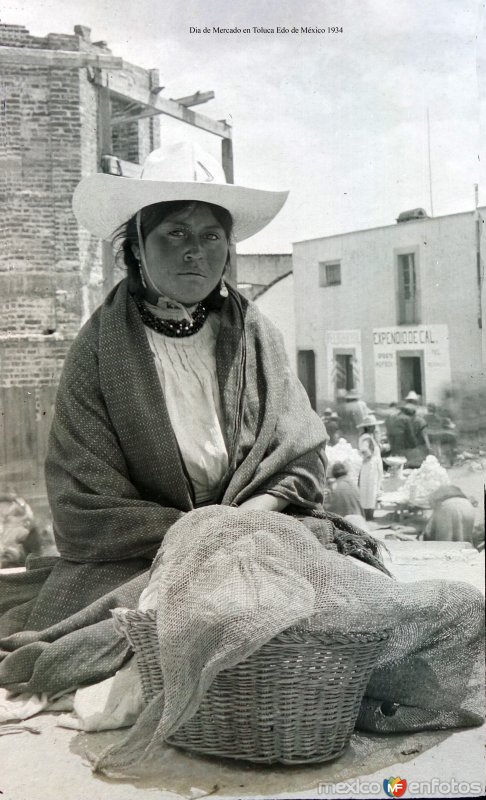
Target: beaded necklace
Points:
(173, 327)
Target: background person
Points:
(333, 428)
(344, 498)
(370, 475)
(400, 432)
(453, 516)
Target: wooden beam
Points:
(105, 146)
(105, 143)
(227, 159)
(122, 85)
(195, 99)
(227, 163)
(56, 59)
(122, 119)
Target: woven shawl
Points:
(116, 483)
(115, 477)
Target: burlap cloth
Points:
(228, 581)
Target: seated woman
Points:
(344, 499)
(453, 516)
(176, 393)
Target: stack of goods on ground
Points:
(344, 452)
(422, 482)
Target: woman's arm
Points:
(264, 502)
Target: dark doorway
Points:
(306, 370)
(410, 374)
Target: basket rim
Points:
(291, 635)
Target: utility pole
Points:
(430, 166)
(479, 270)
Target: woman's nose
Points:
(194, 249)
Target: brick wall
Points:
(51, 271)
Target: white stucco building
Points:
(390, 309)
(277, 303)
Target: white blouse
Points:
(187, 372)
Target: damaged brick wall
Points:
(51, 271)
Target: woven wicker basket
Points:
(294, 701)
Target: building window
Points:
(329, 273)
(408, 305)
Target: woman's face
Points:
(186, 254)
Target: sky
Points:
(339, 119)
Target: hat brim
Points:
(102, 203)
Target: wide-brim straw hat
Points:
(412, 397)
(183, 171)
(369, 420)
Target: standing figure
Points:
(422, 448)
(400, 432)
(370, 427)
(370, 475)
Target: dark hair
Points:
(338, 469)
(126, 236)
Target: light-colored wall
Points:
(262, 268)
(366, 298)
(277, 303)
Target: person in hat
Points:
(412, 397)
(176, 394)
(370, 427)
(400, 432)
(415, 399)
(333, 427)
(370, 474)
(422, 448)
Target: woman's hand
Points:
(264, 502)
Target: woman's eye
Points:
(177, 233)
(213, 237)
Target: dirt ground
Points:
(51, 765)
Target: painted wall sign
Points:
(430, 341)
